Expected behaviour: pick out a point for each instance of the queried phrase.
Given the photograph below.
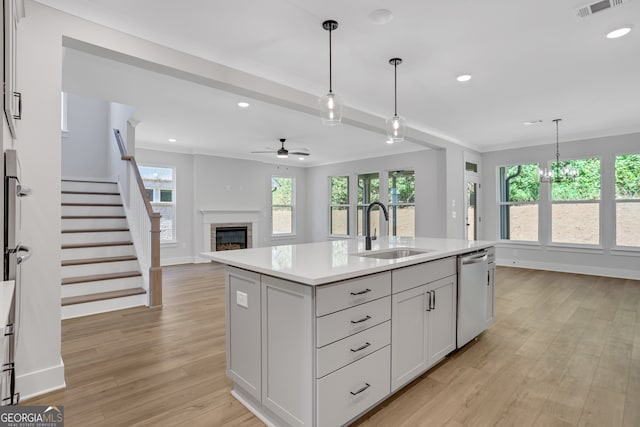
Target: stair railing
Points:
(145, 219)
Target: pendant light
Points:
(330, 104)
(396, 125)
(557, 173)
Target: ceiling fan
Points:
(282, 152)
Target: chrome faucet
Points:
(368, 238)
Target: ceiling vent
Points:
(597, 7)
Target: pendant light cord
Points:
(395, 89)
(330, 76)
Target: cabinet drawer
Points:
(350, 391)
(332, 298)
(335, 326)
(347, 350)
(416, 275)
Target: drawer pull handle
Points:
(366, 386)
(361, 292)
(364, 319)
(361, 348)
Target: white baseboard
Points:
(40, 382)
(571, 268)
(180, 260)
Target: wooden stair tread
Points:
(99, 277)
(98, 260)
(102, 296)
(91, 204)
(85, 180)
(93, 217)
(95, 245)
(97, 193)
(95, 230)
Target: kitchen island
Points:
(319, 333)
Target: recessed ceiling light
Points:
(390, 141)
(381, 16)
(243, 104)
(619, 32)
(463, 78)
(173, 140)
(301, 158)
(532, 122)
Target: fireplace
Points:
(225, 237)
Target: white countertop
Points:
(6, 295)
(326, 262)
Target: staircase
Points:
(100, 270)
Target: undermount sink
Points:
(393, 253)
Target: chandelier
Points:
(557, 173)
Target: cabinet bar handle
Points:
(434, 299)
(361, 292)
(364, 319)
(19, 115)
(361, 348)
(366, 386)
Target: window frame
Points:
(614, 237)
(292, 206)
(364, 205)
(549, 237)
(529, 203)
(391, 205)
(332, 206)
(156, 200)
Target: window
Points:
(282, 206)
(575, 204)
(519, 197)
(160, 185)
(627, 200)
(402, 203)
(339, 206)
(368, 191)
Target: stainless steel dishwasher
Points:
(473, 295)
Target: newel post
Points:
(155, 271)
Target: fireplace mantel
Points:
(227, 217)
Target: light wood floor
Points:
(564, 351)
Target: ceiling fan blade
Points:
(299, 153)
(263, 152)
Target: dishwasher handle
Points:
(474, 259)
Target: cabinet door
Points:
(287, 350)
(408, 336)
(243, 329)
(491, 293)
(441, 329)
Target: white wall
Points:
(233, 184)
(183, 251)
(429, 166)
(606, 260)
(39, 367)
(84, 147)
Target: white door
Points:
(408, 336)
(441, 319)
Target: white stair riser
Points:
(88, 288)
(92, 210)
(86, 309)
(106, 236)
(99, 268)
(104, 187)
(97, 252)
(91, 198)
(93, 223)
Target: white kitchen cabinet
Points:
(244, 330)
(422, 328)
(287, 350)
(491, 291)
